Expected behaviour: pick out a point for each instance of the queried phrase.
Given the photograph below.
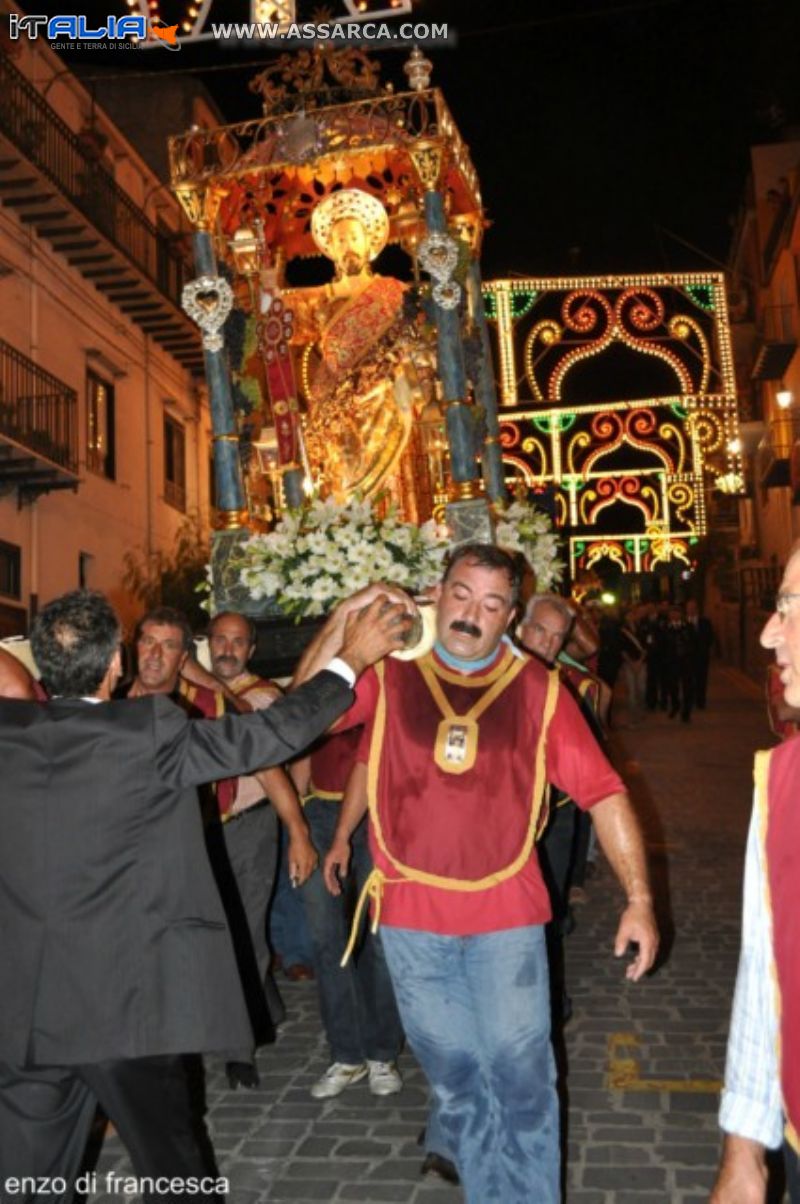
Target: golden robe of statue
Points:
(367, 373)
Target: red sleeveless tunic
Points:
(779, 814)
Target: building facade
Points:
(104, 428)
(765, 319)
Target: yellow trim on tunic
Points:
(377, 880)
(332, 795)
(477, 681)
(467, 722)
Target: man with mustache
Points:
(251, 828)
(760, 1105)
(461, 745)
(238, 838)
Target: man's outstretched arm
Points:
(207, 750)
(620, 838)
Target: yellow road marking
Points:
(624, 1073)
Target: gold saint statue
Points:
(367, 371)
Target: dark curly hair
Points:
(73, 640)
(167, 616)
(489, 556)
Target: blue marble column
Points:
(467, 514)
(231, 501)
(461, 434)
(486, 391)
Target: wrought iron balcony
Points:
(782, 210)
(778, 455)
(38, 427)
(776, 342)
(54, 180)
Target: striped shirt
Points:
(751, 1099)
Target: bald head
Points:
(15, 680)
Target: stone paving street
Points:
(644, 1061)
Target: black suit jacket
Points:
(113, 941)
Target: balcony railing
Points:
(778, 324)
(783, 208)
(48, 143)
(38, 410)
(777, 342)
(784, 432)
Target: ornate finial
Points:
(418, 69)
(313, 78)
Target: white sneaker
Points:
(338, 1076)
(384, 1078)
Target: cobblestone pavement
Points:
(643, 1060)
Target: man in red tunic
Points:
(760, 1106)
(237, 831)
(463, 743)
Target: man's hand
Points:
(366, 596)
(330, 640)
(302, 855)
(637, 924)
(372, 632)
(621, 840)
(336, 865)
(742, 1177)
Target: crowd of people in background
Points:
(661, 650)
(273, 836)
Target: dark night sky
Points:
(596, 126)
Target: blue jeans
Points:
(359, 1013)
(476, 1011)
(288, 927)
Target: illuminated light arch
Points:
(608, 491)
(608, 550)
(664, 439)
(604, 426)
(665, 550)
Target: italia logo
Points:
(73, 27)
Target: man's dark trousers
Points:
(147, 1100)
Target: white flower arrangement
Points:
(522, 527)
(324, 552)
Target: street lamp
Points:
(784, 398)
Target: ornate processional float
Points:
(363, 389)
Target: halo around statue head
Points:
(350, 203)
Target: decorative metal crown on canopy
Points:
(350, 203)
